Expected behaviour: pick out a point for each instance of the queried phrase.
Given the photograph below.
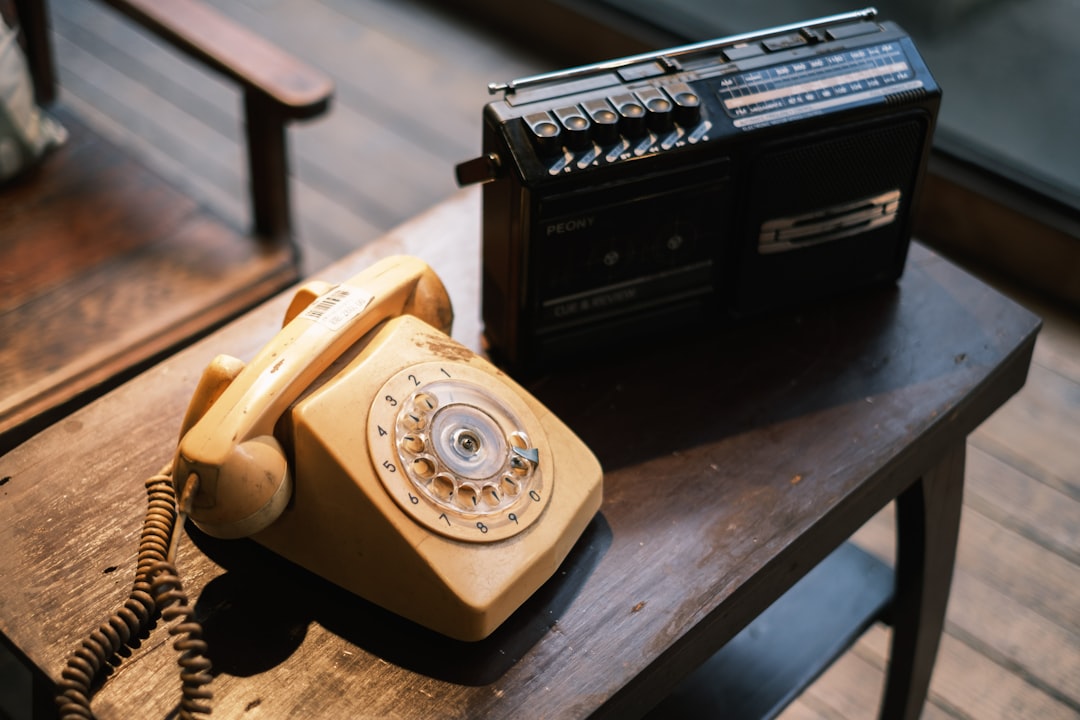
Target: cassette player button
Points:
(631, 115)
(784, 42)
(741, 52)
(575, 127)
(687, 104)
(658, 109)
(840, 32)
(544, 133)
(605, 122)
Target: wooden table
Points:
(735, 463)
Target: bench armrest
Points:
(255, 64)
(298, 90)
(276, 87)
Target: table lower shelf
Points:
(780, 653)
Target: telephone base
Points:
(448, 570)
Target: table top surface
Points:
(733, 463)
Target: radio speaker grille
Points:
(828, 181)
(840, 169)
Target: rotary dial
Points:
(455, 448)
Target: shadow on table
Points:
(257, 613)
(649, 399)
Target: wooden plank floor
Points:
(411, 81)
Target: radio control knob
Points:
(478, 170)
(687, 110)
(605, 122)
(660, 114)
(631, 115)
(544, 133)
(575, 127)
(658, 109)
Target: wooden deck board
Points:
(1035, 510)
(411, 82)
(968, 684)
(1035, 427)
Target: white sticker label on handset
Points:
(337, 307)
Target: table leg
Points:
(43, 697)
(928, 525)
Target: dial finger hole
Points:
(490, 495)
(467, 497)
(425, 403)
(414, 421)
(520, 467)
(412, 443)
(423, 468)
(443, 487)
(509, 486)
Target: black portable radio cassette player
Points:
(712, 180)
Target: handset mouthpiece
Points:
(245, 493)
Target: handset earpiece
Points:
(243, 478)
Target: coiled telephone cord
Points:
(156, 590)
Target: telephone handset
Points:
(366, 445)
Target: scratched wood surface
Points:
(1012, 633)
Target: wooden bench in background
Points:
(105, 266)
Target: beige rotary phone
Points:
(364, 444)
